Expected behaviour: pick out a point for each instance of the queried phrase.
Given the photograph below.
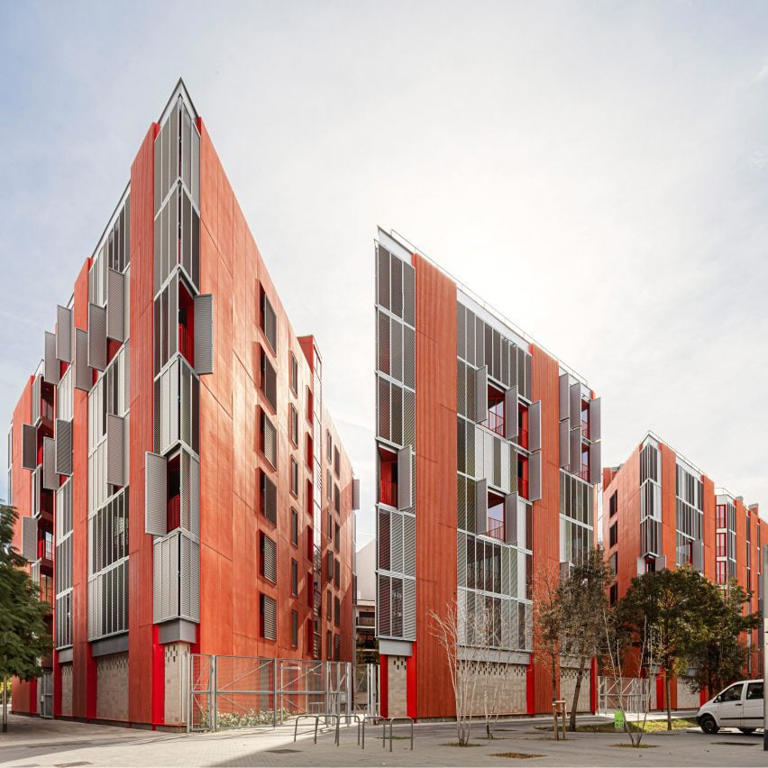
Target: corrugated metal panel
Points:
(409, 290)
(409, 357)
(29, 538)
(51, 366)
(594, 462)
(510, 518)
(404, 463)
(565, 444)
(97, 337)
(481, 506)
(510, 413)
(595, 429)
(50, 478)
(115, 305)
(64, 334)
(396, 543)
(409, 545)
(383, 604)
(565, 398)
(115, 450)
(481, 394)
(409, 609)
(28, 446)
(534, 477)
(156, 495)
(204, 333)
(83, 375)
(63, 447)
(534, 426)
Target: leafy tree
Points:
(673, 605)
(24, 637)
(720, 656)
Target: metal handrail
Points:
(392, 721)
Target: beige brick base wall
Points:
(686, 698)
(112, 687)
(397, 686)
(66, 689)
(500, 689)
(176, 673)
(568, 688)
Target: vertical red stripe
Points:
(530, 688)
(383, 687)
(158, 678)
(593, 686)
(410, 683)
(56, 683)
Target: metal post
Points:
(212, 683)
(765, 648)
(274, 693)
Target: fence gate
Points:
(45, 688)
(367, 688)
(201, 682)
(632, 694)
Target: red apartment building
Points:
(661, 511)
(181, 486)
(488, 452)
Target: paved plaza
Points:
(32, 742)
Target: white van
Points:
(738, 706)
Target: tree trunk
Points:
(667, 700)
(5, 704)
(577, 691)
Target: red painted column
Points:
(530, 688)
(660, 703)
(383, 687)
(593, 687)
(56, 684)
(158, 678)
(410, 684)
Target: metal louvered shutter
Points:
(165, 587)
(64, 334)
(194, 496)
(510, 413)
(268, 617)
(83, 375)
(534, 477)
(404, 483)
(565, 399)
(481, 394)
(28, 446)
(697, 556)
(50, 478)
(189, 578)
(510, 518)
(575, 440)
(115, 450)
(409, 609)
(356, 493)
(534, 426)
(565, 444)
(409, 545)
(63, 447)
(204, 333)
(115, 305)
(575, 405)
(383, 604)
(594, 462)
(409, 357)
(97, 337)
(481, 506)
(268, 558)
(29, 538)
(155, 494)
(409, 291)
(594, 419)
(51, 366)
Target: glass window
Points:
(754, 691)
(731, 694)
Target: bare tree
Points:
(548, 623)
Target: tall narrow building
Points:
(488, 452)
(182, 488)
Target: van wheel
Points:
(747, 730)
(708, 724)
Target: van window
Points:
(731, 694)
(755, 691)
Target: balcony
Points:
(496, 422)
(496, 529)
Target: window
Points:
(731, 694)
(328, 485)
(310, 406)
(754, 691)
(613, 504)
(336, 498)
(268, 380)
(721, 551)
(294, 578)
(268, 558)
(336, 536)
(294, 629)
(328, 605)
(721, 520)
(293, 425)
(294, 528)
(268, 321)
(337, 647)
(337, 461)
(720, 572)
(337, 572)
(268, 439)
(328, 445)
(614, 594)
(613, 535)
(495, 410)
(294, 477)
(308, 498)
(268, 494)
(495, 517)
(328, 636)
(336, 611)
(310, 582)
(613, 563)
(294, 369)
(309, 450)
(268, 617)
(310, 543)
(329, 567)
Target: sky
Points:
(597, 170)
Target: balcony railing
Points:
(45, 549)
(496, 529)
(496, 422)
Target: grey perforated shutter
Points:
(534, 477)
(50, 362)
(115, 446)
(204, 333)
(661, 563)
(640, 566)
(481, 394)
(594, 419)
(115, 305)
(165, 588)
(510, 413)
(481, 506)
(565, 411)
(697, 556)
(64, 334)
(83, 375)
(97, 337)
(565, 444)
(28, 446)
(534, 426)
(594, 462)
(194, 494)
(156, 495)
(404, 496)
(189, 578)
(510, 518)
(575, 405)
(63, 447)
(29, 538)
(576, 450)
(355, 493)
(50, 478)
